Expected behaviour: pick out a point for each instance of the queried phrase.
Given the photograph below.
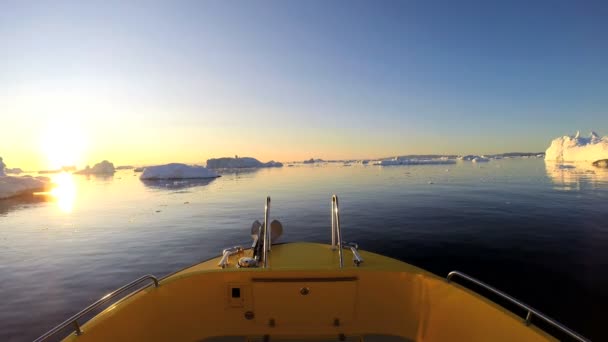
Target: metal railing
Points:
(531, 311)
(267, 239)
(336, 235)
(74, 319)
(336, 232)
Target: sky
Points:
(145, 82)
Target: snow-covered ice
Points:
(576, 148)
(15, 186)
(239, 163)
(103, 168)
(177, 171)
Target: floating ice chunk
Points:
(177, 171)
(103, 168)
(2, 167)
(16, 186)
(480, 160)
(239, 163)
(576, 148)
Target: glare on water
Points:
(64, 192)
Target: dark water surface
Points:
(538, 232)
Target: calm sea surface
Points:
(537, 231)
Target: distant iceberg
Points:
(313, 161)
(239, 163)
(480, 160)
(103, 168)
(475, 158)
(177, 171)
(576, 148)
(414, 161)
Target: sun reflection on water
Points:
(64, 192)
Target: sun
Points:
(63, 144)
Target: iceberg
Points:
(480, 160)
(103, 168)
(177, 171)
(16, 186)
(239, 163)
(576, 148)
(2, 168)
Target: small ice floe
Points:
(139, 169)
(576, 148)
(177, 171)
(103, 168)
(239, 163)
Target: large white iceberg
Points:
(16, 186)
(177, 171)
(239, 163)
(414, 161)
(103, 168)
(576, 148)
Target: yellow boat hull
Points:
(304, 295)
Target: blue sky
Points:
(290, 80)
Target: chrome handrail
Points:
(267, 239)
(531, 311)
(74, 319)
(336, 231)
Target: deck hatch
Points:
(324, 300)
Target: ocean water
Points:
(534, 230)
